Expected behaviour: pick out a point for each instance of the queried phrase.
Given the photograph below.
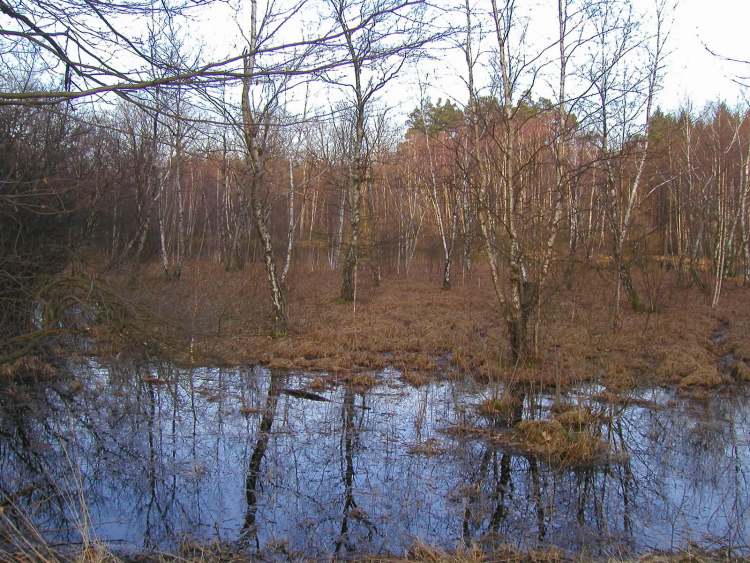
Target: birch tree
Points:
(625, 95)
(377, 39)
(260, 107)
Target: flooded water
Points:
(146, 457)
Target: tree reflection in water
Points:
(249, 531)
(158, 453)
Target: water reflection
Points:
(142, 456)
(253, 470)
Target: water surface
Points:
(144, 457)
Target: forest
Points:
(368, 279)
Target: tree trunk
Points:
(277, 294)
(255, 131)
(626, 279)
(447, 272)
(349, 271)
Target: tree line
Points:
(140, 146)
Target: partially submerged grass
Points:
(318, 384)
(706, 376)
(693, 554)
(474, 554)
(359, 381)
(32, 547)
(500, 409)
(510, 554)
(741, 371)
(430, 447)
(578, 419)
(415, 378)
(221, 552)
(559, 446)
(95, 552)
(426, 332)
(569, 439)
(27, 367)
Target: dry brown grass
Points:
(742, 371)
(473, 554)
(502, 408)
(578, 419)
(318, 384)
(559, 446)
(29, 366)
(693, 554)
(359, 381)
(570, 439)
(413, 325)
(416, 378)
(218, 552)
(430, 447)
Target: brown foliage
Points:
(426, 333)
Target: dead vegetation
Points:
(430, 447)
(510, 554)
(219, 552)
(21, 541)
(415, 378)
(558, 445)
(570, 438)
(425, 332)
(500, 409)
(27, 367)
(473, 554)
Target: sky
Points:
(691, 72)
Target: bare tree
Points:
(625, 96)
(378, 37)
(443, 181)
(71, 49)
(260, 110)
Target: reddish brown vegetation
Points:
(412, 325)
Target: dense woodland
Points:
(126, 144)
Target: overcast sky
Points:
(692, 72)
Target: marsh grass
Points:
(560, 446)
(474, 554)
(426, 333)
(569, 438)
(20, 540)
(500, 409)
(430, 447)
(416, 378)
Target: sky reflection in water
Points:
(228, 454)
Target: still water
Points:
(145, 457)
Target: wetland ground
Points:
(396, 430)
